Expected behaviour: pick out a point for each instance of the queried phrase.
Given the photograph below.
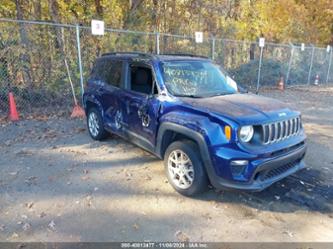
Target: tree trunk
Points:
(154, 25)
(99, 8)
(133, 6)
(38, 10)
(24, 57)
(252, 51)
(54, 13)
(5, 76)
(99, 14)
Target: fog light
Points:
(238, 166)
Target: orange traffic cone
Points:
(13, 115)
(77, 112)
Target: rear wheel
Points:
(95, 124)
(184, 168)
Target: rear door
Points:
(109, 84)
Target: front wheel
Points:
(184, 168)
(95, 124)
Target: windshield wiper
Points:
(189, 96)
(220, 94)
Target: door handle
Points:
(130, 105)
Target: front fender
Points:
(200, 129)
(196, 135)
(211, 129)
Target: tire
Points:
(199, 181)
(95, 124)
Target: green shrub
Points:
(247, 74)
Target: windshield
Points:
(195, 79)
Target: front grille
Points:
(281, 130)
(277, 171)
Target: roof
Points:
(162, 57)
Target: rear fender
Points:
(90, 99)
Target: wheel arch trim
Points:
(92, 99)
(192, 134)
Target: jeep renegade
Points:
(182, 109)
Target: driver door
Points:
(141, 105)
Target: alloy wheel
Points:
(180, 169)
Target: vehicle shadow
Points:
(304, 190)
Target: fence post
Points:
(79, 57)
(311, 62)
(329, 66)
(157, 43)
(259, 70)
(290, 61)
(213, 48)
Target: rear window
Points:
(108, 71)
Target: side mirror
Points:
(232, 83)
(242, 89)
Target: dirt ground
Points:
(57, 184)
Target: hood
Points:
(242, 108)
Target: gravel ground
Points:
(56, 184)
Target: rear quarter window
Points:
(108, 71)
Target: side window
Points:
(112, 72)
(141, 79)
(97, 71)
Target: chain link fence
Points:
(33, 59)
(44, 63)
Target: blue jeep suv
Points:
(183, 109)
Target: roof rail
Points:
(184, 54)
(129, 53)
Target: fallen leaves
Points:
(148, 178)
(31, 180)
(42, 215)
(52, 225)
(14, 236)
(136, 226)
(85, 178)
(29, 205)
(7, 143)
(49, 134)
(23, 216)
(24, 152)
(13, 173)
(26, 226)
(181, 236)
(89, 199)
(128, 176)
(80, 130)
(289, 233)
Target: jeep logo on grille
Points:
(282, 114)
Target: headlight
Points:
(246, 133)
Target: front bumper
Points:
(267, 172)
